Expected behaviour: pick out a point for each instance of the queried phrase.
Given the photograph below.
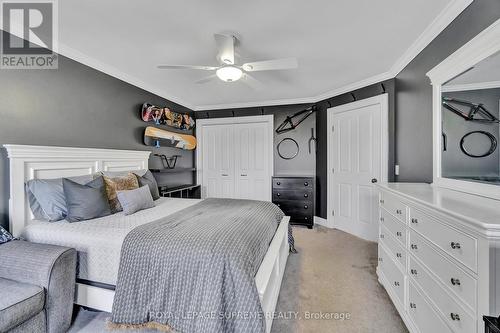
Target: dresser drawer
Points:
(292, 183)
(454, 278)
(304, 194)
(423, 314)
(393, 205)
(393, 275)
(453, 312)
(395, 227)
(301, 219)
(396, 251)
(295, 208)
(457, 244)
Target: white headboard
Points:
(32, 162)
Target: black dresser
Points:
(295, 196)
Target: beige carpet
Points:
(332, 277)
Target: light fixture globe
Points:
(229, 73)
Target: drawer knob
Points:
(306, 218)
(306, 184)
(381, 219)
(413, 271)
(398, 255)
(413, 305)
(413, 246)
(454, 316)
(396, 283)
(278, 194)
(306, 195)
(414, 220)
(455, 282)
(380, 259)
(455, 245)
(398, 211)
(278, 205)
(306, 206)
(382, 201)
(399, 234)
(278, 183)
(381, 235)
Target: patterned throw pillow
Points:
(115, 184)
(5, 236)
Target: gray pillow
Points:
(87, 201)
(135, 200)
(149, 180)
(46, 197)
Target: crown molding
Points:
(447, 15)
(471, 86)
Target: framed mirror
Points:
(466, 113)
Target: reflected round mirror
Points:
(288, 148)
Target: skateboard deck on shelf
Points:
(165, 116)
(157, 137)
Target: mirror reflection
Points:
(470, 128)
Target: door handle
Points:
(243, 175)
(374, 180)
(225, 175)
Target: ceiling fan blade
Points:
(206, 79)
(225, 47)
(205, 68)
(252, 82)
(271, 65)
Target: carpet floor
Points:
(329, 286)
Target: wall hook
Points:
(232, 112)
(353, 97)
(262, 111)
(208, 115)
(329, 104)
(383, 88)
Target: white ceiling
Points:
(339, 44)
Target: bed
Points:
(99, 241)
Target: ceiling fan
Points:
(229, 71)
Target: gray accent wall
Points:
(414, 92)
(74, 106)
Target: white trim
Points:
(445, 17)
(479, 48)
(383, 101)
(30, 162)
(200, 123)
(471, 86)
(322, 222)
(268, 279)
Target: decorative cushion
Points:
(19, 302)
(135, 200)
(46, 197)
(87, 201)
(115, 184)
(149, 180)
(5, 236)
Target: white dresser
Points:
(439, 257)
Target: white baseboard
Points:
(321, 221)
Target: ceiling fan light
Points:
(229, 73)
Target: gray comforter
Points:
(194, 270)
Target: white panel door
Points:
(218, 161)
(355, 161)
(252, 172)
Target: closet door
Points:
(252, 171)
(218, 161)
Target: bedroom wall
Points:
(414, 93)
(73, 106)
(302, 165)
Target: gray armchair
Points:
(37, 284)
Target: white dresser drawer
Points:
(394, 276)
(395, 227)
(463, 285)
(423, 314)
(457, 244)
(393, 205)
(453, 312)
(396, 251)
